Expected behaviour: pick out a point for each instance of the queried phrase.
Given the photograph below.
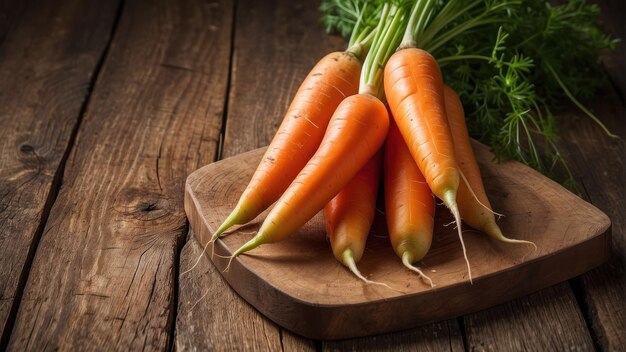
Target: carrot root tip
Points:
(230, 260)
(476, 197)
(449, 198)
(492, 229)
(198, 260)
(406, 260)
(348, 260)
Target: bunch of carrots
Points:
(379, 109)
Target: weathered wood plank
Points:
(10, 13)
(48, 56)
(598, 163)
(545, 321)
(103, 275)
(441, 336)
(209, 311)
(276, 43)
(612, 17)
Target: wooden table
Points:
(107, 106)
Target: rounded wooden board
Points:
(299, 284)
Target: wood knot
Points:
(25, 148)
(144, 205)
(150, 207)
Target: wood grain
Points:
(299, 277)
(548, 320)
(585, 144)
(48, 56)
(103, 275)
(209, 310)
(276, 44)
(612, 21)
(437, 337)
(598, 163)
(11, 12)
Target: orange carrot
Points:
(409, 203)
(356, 131)
(473, 202)
(414, 90)
(335, 77)
(349, 215)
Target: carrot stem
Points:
(388, 34)
(577, 103)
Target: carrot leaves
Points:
(515, 64)
(543, 57)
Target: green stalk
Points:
(420, 14)
(388, 35)
(575, 101)
(361, 47)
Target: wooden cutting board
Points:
(299, 285)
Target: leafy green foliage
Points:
(542, 56)
(341, 16)
(515, 63)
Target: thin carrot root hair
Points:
(406, 261)
(251, 244)
(348, 260)
(230, 260)
(498, 235)
(450, 201)
(199, 257)
(223, 256)
(215, 238)
(495, 230)
(474, 194)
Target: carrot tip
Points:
(251, 244)
(449, 198)
(406, 260)
(230, 260)
(232, 219)
(348, 260)
(492, 229)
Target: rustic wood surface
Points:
(111, 105)
(48, 59)
(114, 232)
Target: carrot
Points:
(349, 215)
(414, 90)
(335, 77)
(473, 201)
(409, 203)
(355, 132)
